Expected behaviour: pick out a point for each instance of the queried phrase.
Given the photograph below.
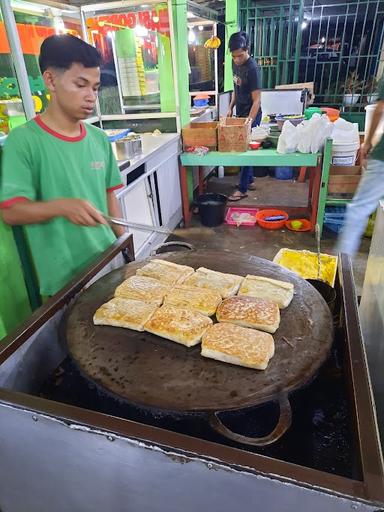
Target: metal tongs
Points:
(135, 225)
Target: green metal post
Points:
(288, 47)
(272, 51)
(263, 50)
(280, 47)
(324, 183)
(29, 270)
(231, 26)
(179, 15)
(14, 303)
(299, 35)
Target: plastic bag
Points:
(259, 134)
(313, 134)
(289, 139)
(345, 133)
(323, 130)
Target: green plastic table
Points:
(190, 162)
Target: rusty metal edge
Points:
(185, 445)
(367, 435)
(15, 339)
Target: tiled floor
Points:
(259, 241)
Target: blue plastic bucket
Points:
(200, 102)
(283, 173)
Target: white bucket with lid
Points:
(369, 110)
(344, 153)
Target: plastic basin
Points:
(271, 224)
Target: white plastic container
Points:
(344, 153)
(369, 109)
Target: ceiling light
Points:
(191, 36)
(58, 23)
(141, 31)
(304, 25)
(201, 27)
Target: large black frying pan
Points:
(155, 373)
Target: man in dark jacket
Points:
(246, 98)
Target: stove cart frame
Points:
(61, 457)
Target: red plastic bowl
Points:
(254, 145)
(271, 224)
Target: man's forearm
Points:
(30, 212)
(233, 101)
(114, 210)
(254, 110)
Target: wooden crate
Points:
(234, 134)
(200, 134)
(343, 181)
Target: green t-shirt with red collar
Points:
(40, 165)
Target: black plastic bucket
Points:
(326, 291)
(260, 172)
(212, 209)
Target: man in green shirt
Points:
(371, 186)
(59, 174)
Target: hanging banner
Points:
(155, 20)
(31, 37)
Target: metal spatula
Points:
(317, 233)
(179, 232)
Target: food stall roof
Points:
(205, 9)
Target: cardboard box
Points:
(343, 180)
(200, 134)
(234, 134)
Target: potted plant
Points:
(352, 89)
(371, 90)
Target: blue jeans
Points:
(246, 173)
(363, 204)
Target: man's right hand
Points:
(364, 151)
(230, 113)
(77, 211)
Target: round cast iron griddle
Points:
(153, 372)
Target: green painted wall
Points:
(179, 14)
(14, 302)
(232, 26)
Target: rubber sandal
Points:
(237, 198)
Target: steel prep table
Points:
(57, 456)
(315, 163)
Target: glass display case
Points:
(34, 22)
(11, 107)
(203, 45)
(135, 42)
(201, 59)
